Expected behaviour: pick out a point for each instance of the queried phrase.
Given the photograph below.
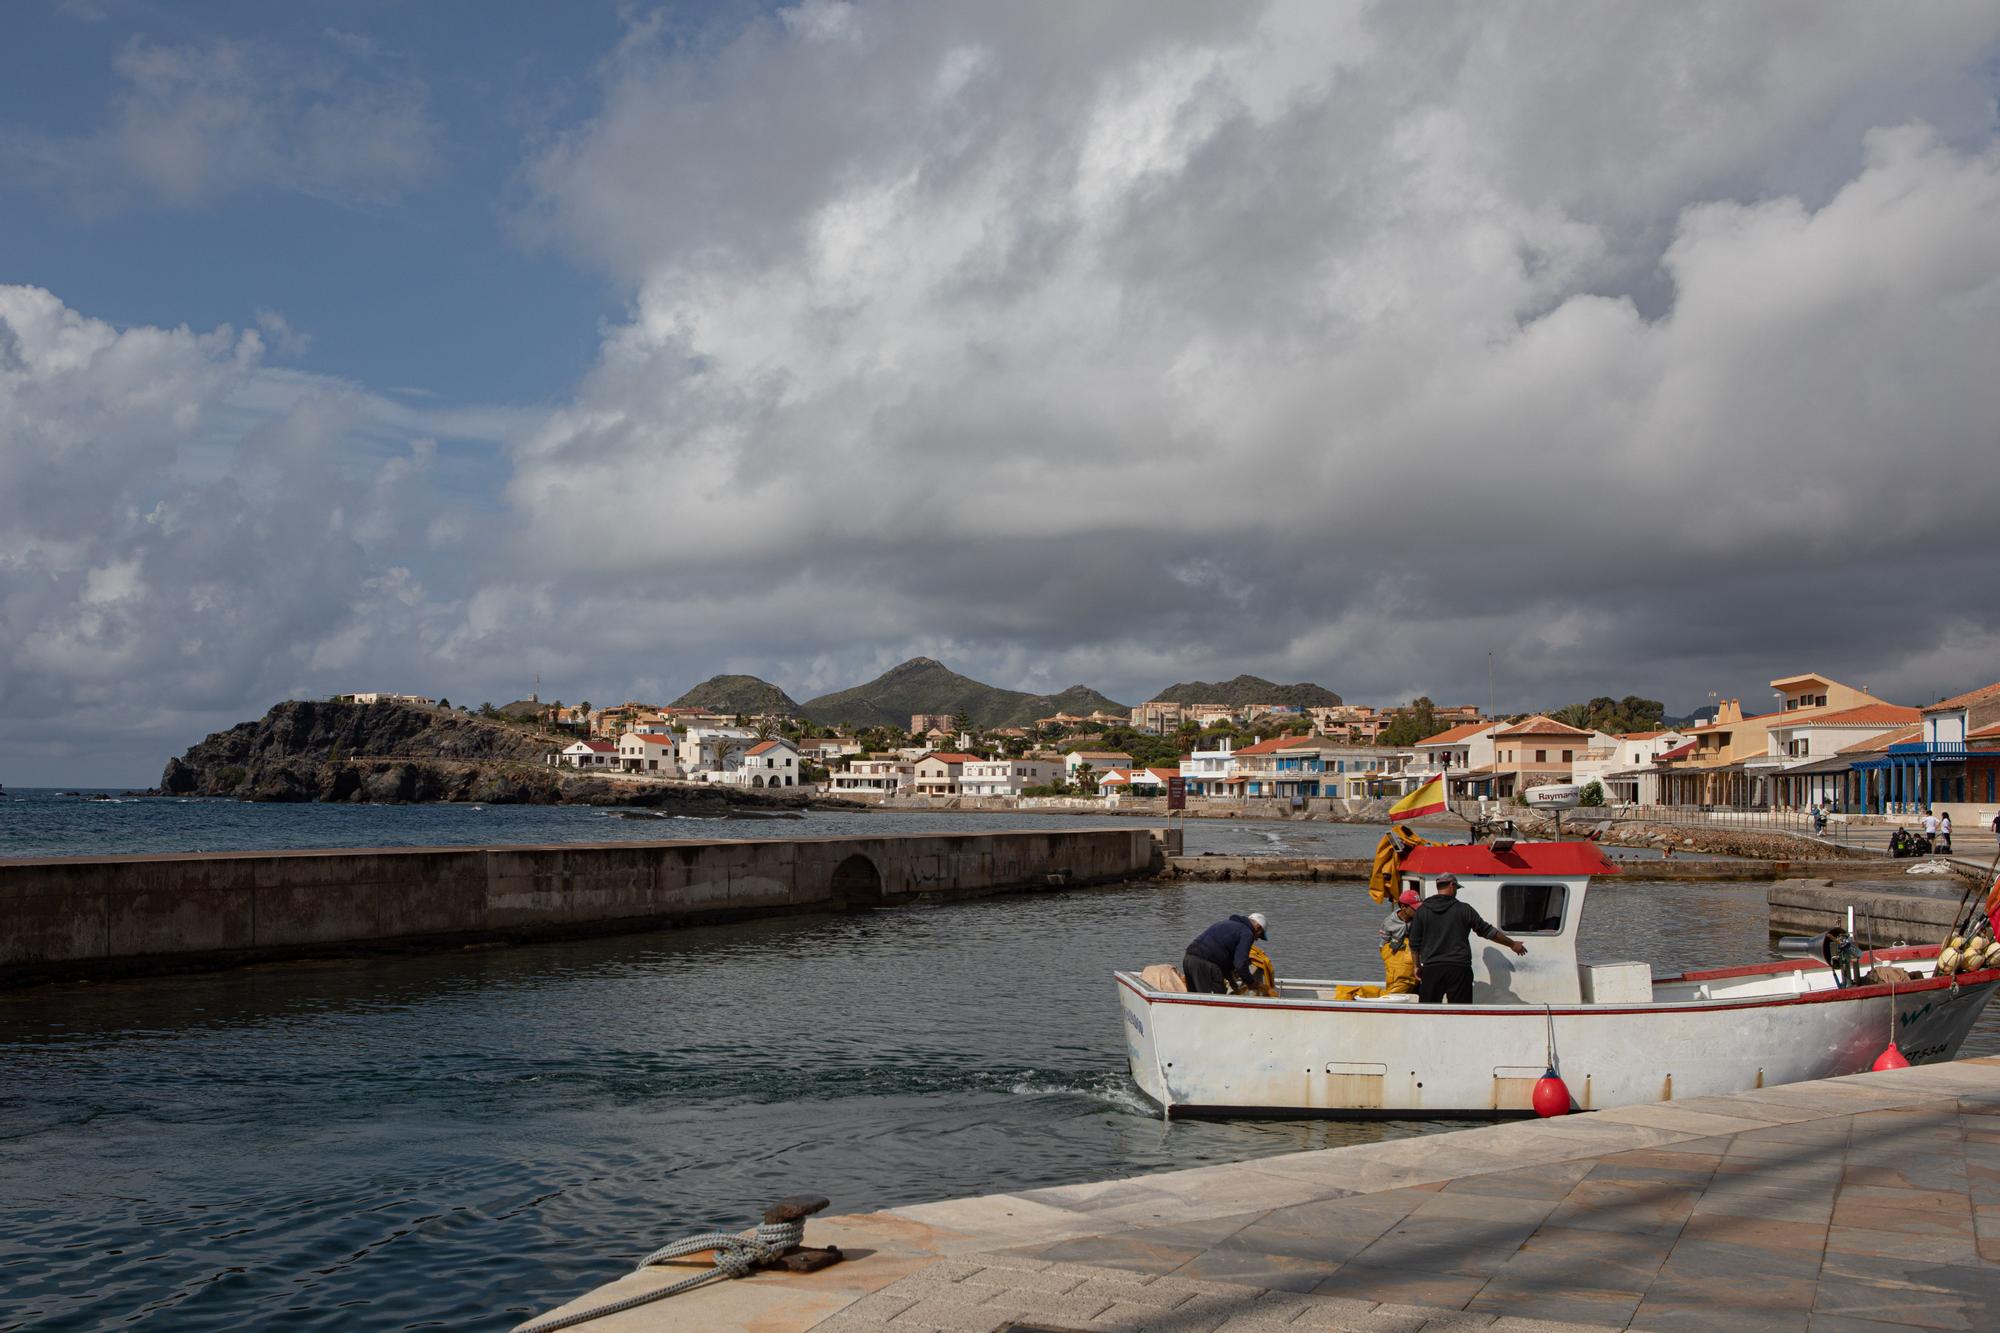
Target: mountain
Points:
(922, 685)
(1247, 690)
(738, 694)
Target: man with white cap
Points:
(1221, 954)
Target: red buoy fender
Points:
(1889, 1059)
(1551, 1097)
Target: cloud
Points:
(184, 531)
(192, 124)
(1349, 342)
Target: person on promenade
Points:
(1944, 833)
(1818, 820)
(1221, 954)
(1930, 830)
(1439, 936)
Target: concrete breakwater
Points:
(76, 917)
(1809, 906)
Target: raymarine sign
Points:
(1556, 796)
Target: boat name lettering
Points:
(1138, 1025)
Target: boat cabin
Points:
(1534, 891)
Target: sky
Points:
(1650, 349)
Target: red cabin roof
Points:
(1563, 860)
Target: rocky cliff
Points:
(304, 750)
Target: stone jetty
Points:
(1854, 1204)
(85, 917)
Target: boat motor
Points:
(1837, 950)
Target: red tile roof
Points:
(1277, 743)
(1879, 714)
(1903, 737)
(1679, 751)
(1543, 726)
(655, 737)
(762, 746)
(601, 747)
(1455, 734)
(954, 758)
(1984, 694)
(1986, 733)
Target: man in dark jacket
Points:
(1440, 936)
(1221, 954)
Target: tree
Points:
(961, 722)
(1573, 715)
(1086, 779)
(1415, 723)
(486, 709)
(445, 704)
(1592, 793)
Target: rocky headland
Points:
(305, 750)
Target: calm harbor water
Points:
(461, 1140)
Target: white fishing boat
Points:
(1614, 1033)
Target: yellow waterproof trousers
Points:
(1399, 977)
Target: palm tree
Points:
(1574, 715)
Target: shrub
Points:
(1592, 793)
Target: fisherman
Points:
(1221, 954)
(1438, 935)
(1399, 963)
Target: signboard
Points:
(1555, 796)
(1176, 793)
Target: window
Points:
(1566, 756)
(1532, 909)
(1541, 756)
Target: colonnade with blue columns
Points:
(1905, 780)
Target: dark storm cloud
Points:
(1350, 343)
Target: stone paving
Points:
(1863, 1203)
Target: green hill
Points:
(738, 694)
(1247, 690)
(922, 685)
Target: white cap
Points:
(1257, 920)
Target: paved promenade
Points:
(1849, 1205)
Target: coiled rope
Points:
(735, 1256)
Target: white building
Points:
(1099, 761)
(1207, 771)
(376, 697)
(939, 774)
(1463, 753)
(710, 749)
(589, 754)
(1135, 781)
(879, 776)
(647, 752)
(772, 763)
(1006, 777)
(1620, 764)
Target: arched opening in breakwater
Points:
(857, 883)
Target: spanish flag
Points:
(1425, 800)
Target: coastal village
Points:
(1819, 743)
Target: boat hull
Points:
(1205, 1055)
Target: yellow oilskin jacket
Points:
(1263, 977)
(1385, 876)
